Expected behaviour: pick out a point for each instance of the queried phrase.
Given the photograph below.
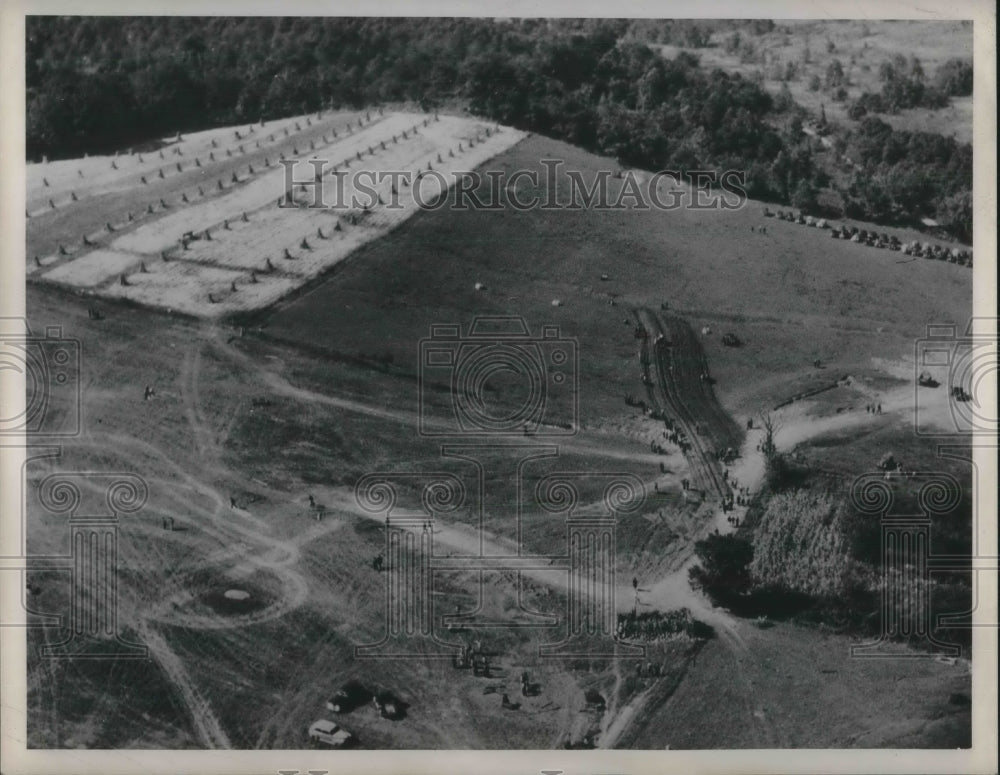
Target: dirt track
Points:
(673, 365)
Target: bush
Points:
(723, 572)
(801, 544)
(657, 625)
(954, 78)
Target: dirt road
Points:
(671, 359)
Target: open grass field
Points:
(841, 303)
(860, 46)
(254, 419)
(233, 270)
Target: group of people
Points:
(674, 437)
(726, 455)
(653, 625)
(873, 408)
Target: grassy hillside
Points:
(792, 295)
(246, 427)
(98, 84)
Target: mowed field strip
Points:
(59, 180)
(248, 252)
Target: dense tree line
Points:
(904, 85)
(101, 83)
(904, 175)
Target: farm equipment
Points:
(926, 380)
(462, 661)
(481, 666)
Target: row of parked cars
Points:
(954, 255)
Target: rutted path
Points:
(205, 723)
(664, 358)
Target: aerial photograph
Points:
(498, 383)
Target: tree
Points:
(955, 213)
(804, 196)
(834, 74)
(723, 572)
(954, 78)
(771, 426)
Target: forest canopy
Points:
(96, 84)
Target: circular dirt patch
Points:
(233, 602)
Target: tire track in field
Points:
(586, 447)
(656, 358)
(206, 725)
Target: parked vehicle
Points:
(329, 733)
